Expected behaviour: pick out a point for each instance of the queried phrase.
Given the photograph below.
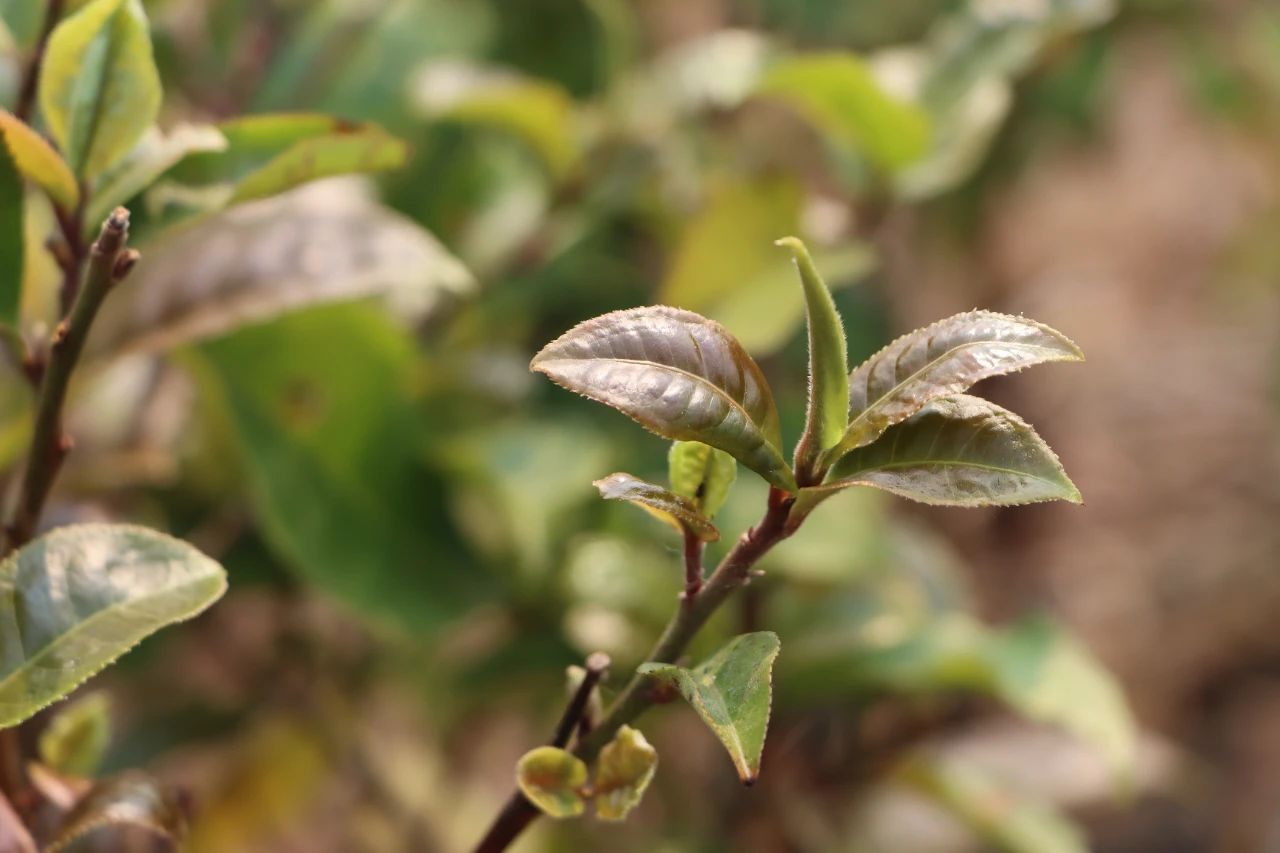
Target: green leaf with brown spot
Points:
(678, 374)
(679, 512)
(732, 692)
(553, 780)
(623, 772)
(702, 474)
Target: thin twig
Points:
(597, 665)
(31, 76)
(692, 566)
(732, 573)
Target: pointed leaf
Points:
(957, 451)
(77, 736)
(553, 780)
(38, 162)
(154, 155)
(680, 512)
(99, 88)
(623, 772)
(132, 798)
(940, 360)
(677, 374)
(828, 409)
(369, 150)
(12, 241)
(731, 691)
(701, 473)
(77, 598)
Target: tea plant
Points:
(900, 422)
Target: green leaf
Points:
(364, 151)
(838, 94)
(828, 406)
(79, 597)
(701, 473)
(99, 88)
(155, 154)
(623, 771)
(12, 241)
(132, 799)
(731, 691)
(679, 375)
(957, 451)
(253, 141)
(74, 741)
(36, 160)
(680, 512)
(553, 780)
(942, 359)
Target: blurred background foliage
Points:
(327, 391)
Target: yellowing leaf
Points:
(76, 738)
(623, 771)
(731, 691)
(36, 161)
(553, 780)
(99, 88)
(680, 512)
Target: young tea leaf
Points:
(702, 474)
(77, 736)
(623, 772)
(99, 88)
(132, 798)
(940, 360)
(678, 374)
(828, 408)
(680, 512)
(957, 451)
(731, 691)
(553, 780)
(77, 598)
(36, 161)
(155, 154)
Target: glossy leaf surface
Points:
(99, 88)
(74, 741)
(732, 692)
(131, 799)
(828, 406)
(942, 359)
(38, 162)
(553, 779)
(77, 598)
(623, 771)
(957, 451)
(702, 474)
(680, 512)
(678, 374)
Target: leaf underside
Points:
(77, 598)
(131, 799)
(679, 375)
(731, 691)
(942, 359)
(680, 512)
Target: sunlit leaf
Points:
(680, 512)
(12, 241)
(78, 597)
(702, 474)
(840, 96)
(623, 771)
(731, 691)
(359, 152)
(942, 359)
(36, 161)
(253, 141)
(957, 451)
(99, 88)
(76, 738)
(325, 243)
(677, 374)
(155, 153)
(132, 799)
(828, 406)
(553, 780)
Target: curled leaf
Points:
(680, 512)
(731, 691)
(942, 359)
(132, 798)
(678, 374)
(623, 772)
(77, 736)
(37, 161)
(702, 474)
(553, 780)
